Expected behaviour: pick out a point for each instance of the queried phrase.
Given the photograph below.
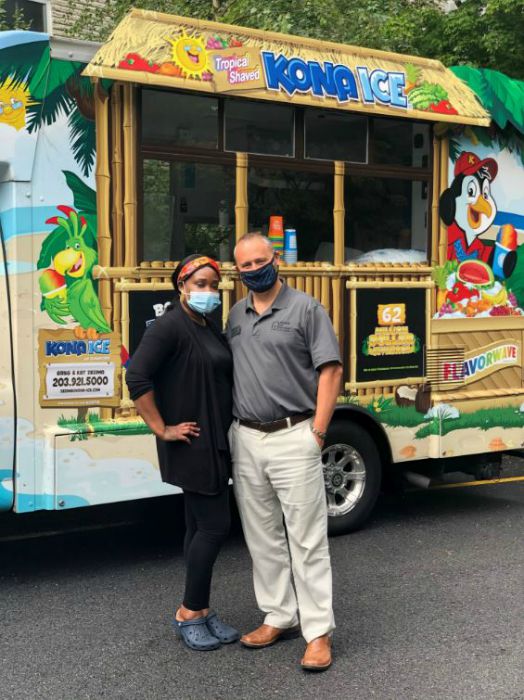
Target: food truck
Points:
(178, 135)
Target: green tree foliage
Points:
(486, 33)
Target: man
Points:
(287, 375)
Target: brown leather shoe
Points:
(318, 654)
(265, 636)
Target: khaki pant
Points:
(274, 475)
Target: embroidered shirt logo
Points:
(281, 326)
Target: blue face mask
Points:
(203, 302)
(262, 279)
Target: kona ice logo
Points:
(487, 361)
(334, 80)
(54, 348)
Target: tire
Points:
(352, 475)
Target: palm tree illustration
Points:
(56, 87)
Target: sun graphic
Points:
(189, 52)
(14, 99)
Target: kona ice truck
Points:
(405, 191)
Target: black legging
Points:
(207, 526)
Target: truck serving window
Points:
(189, 144)
(304, 199)
(385, 213)
(187, 206)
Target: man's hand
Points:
(181, 432)
(319, 440)
(328, 390)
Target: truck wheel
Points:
(352, 476)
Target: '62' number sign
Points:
(391, 314)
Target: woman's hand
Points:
(181, 432)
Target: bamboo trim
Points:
(125, 404)
(336, 285)
(443, 230)
(309, 285)
(117, 182)
(317, 287)
(125, 286)
(117, 175)
(130, 180)
(339, 213)
(226, 305)
(479, 394)
(241, 202)
(429, 313)
(353, 336)
(325, 296)
(435, 219)
(392, 268)
(103, 194)
(353, 385)
(144, 270)
(471, 325)
(378, 284)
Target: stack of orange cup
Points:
(276, 233)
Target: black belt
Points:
(274, 425)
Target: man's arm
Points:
(330, 376)
(325, 355)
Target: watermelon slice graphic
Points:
(475, 272)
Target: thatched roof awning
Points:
(151, 48)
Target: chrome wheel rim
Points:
(344, 478)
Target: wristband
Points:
(320, 434)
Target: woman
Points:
(180, 378)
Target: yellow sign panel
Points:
(240, 69)
(78, 372)
(391, 314)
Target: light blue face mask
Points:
(203, 302)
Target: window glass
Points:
(385, 213)
(258, 127)
(332, 135)
(33, 12)
(187, 208)
(400, 142)
(179, 120)
(304, 199)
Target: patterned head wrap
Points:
(194, 265)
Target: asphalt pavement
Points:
(429, 603)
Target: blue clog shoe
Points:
(225, 633)
(196, 634)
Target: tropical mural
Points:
(47, 132)
(483, 211)
(36, 90)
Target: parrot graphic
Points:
(66, 285)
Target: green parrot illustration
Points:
(67, 286)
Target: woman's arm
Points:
(147, 408)
(157, 344)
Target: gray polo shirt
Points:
(276, 355)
